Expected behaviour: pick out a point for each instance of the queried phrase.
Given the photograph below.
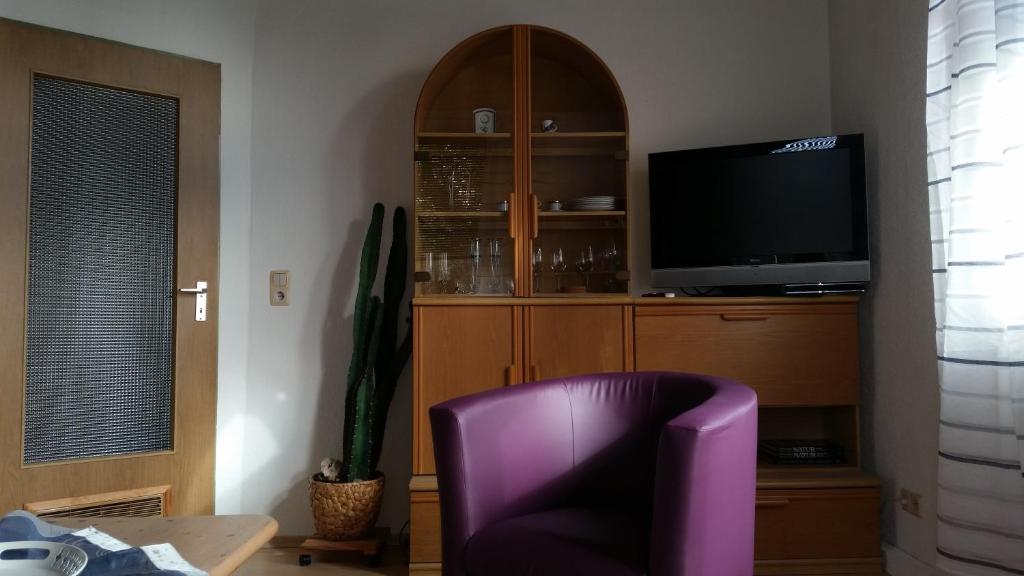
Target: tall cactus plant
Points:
(377, 356)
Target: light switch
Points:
(280, 288)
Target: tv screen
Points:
(770, 213)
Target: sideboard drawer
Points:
(792, 355)
(817, 523)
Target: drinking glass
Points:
(474, 265)
(494, 249)
(428, 267)
(612, 257)
(585, 264)
(538, 265)
(558, 266)
(444, 272)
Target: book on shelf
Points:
(801, 452)
(820, 461)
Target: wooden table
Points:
(215, 544)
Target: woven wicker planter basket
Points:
(345, 510)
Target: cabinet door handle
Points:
(534, 217)
(512, 215)
(772, 503)
(743, 317)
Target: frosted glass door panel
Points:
(100, 328)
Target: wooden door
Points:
(459, 350)
(577, 174)
(578, 339)
(109, 180)
(466, 216)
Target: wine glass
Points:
(585, 264)
(474, 265)
(612, 257)
(538, 265)
(558, 266)
(494, 249)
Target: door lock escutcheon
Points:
(200, 292)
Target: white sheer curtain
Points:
(975, 120)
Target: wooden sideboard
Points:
(799, 354)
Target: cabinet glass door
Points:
(578, 162)
(465, 171)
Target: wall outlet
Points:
(910, 502)
(280, 288)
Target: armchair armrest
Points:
(705, 482)
(499, 454)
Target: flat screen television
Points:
(790, 212)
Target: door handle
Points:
(512, 211)
(534, 216)
(743, 317)
(200, 291)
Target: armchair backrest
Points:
(574, 441)
(616, 422)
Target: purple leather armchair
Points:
(604, 475)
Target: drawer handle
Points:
(534, 217)
(743, 317)
(772, 503)
(512, 214)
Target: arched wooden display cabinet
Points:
(493, 208)
(485, 314)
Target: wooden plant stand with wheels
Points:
(371, 546)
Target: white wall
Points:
(878, 85)
(219, 32)
(330, 89)
(335, 86)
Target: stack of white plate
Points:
(591, 203)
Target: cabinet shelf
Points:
(427, 155)
(463, 136)
(580, 151)
(461, 214)
(579, 144)
(621, 274)
(567, 135)
(573, 214)
(580, 294)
